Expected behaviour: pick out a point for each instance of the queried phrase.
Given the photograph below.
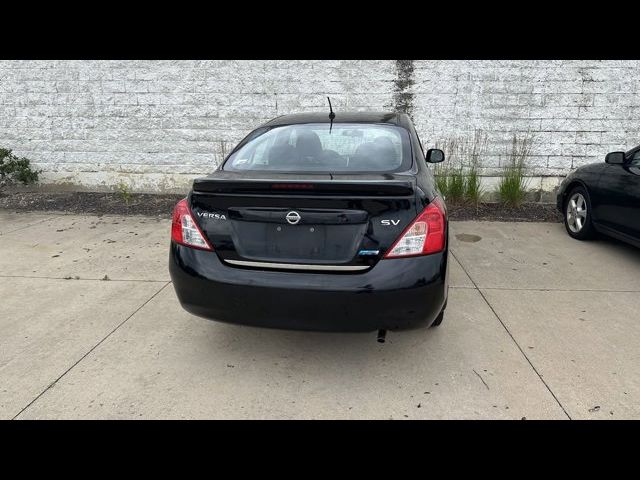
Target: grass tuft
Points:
(513, 183)
(475, 150)
(459, 178)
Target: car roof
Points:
(394, 118)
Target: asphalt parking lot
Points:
(538, 326)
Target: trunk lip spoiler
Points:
(387, 187)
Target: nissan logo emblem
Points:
(293, 217)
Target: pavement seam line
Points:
(90, 279)
(526, 289)
(90, 350)
(26, 226)
(513, 338)
(66, 213)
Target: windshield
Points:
(348, 147)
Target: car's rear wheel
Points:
(440, 316)
(577, 214)
(438, 319)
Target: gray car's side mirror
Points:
(435, 155)
(615, 158)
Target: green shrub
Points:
(512, 186)
(124, 192)
(16, 170)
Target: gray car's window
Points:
(347, 147)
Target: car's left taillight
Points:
(184, 229)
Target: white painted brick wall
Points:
(158, 124)
(577, 110)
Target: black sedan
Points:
(604, 197)
(317, 222)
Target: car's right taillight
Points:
(184, 229)
(424, 236)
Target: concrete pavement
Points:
(538, 326)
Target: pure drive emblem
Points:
(293, 217)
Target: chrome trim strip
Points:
(299, 266)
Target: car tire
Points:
(577, 214)
(438, 319)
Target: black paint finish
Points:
(614, 194)
(341, 216)
(395, 294)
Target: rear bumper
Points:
(395, 294)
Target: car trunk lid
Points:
(314, 222)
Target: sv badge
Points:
(390, 222)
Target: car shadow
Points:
(242, 342)
(618, 246)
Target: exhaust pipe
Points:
(382, 334)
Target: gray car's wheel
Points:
(577, 214)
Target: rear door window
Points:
(317, 147)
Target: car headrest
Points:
(308, 144)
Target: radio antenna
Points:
(331, 114)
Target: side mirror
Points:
(435, 155)
(615, 158)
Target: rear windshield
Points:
(312, 147)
